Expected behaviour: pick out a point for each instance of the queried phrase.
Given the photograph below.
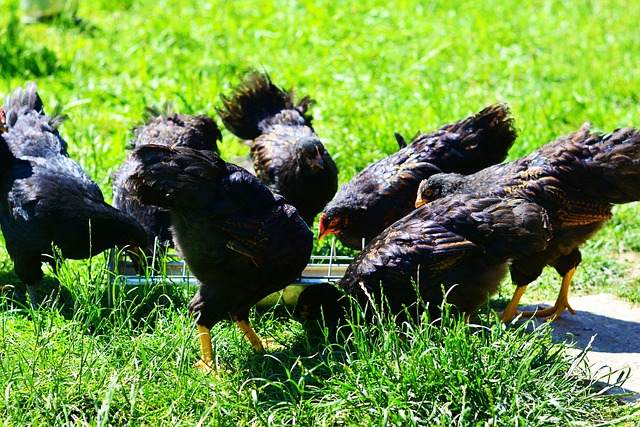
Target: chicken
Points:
(459, 246)
(240, 240)
(47, 199)
(385, 191)
(170, 129)
(575, 179)
(287, 154)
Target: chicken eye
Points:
(427, 192)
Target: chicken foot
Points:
(206, 363)
(550, 313)
(562, 302)
(258, 344)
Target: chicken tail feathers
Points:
(256, 100)
(479, 141)
(23, 101)
(152, 112)
(612, 170)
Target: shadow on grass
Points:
(98, 304)
(16, 298)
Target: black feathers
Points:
(385, 191)
(241, 241)
(47, 199)
(169, 129)
(287, 154)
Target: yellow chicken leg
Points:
(253, 338)
(250, 334)
(562, 302)
(511, 310)
(206, 363)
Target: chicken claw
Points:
(562, 302)
(259, 345)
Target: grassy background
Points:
(374, 68)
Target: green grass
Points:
(374, 68)
(99, 369)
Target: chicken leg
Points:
(31, 290)
(206, 363)
(250, 334)
(562, 302)
(511, 310)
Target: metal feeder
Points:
(321, 269)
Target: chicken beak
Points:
(420, 201)
(323, 233)
(322, 229)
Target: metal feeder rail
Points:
(321, 269)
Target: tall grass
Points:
(121, 372)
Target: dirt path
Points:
(614, 325)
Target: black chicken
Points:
(575, 179)
(287, 154)
(240, 240)
(459, 246)
(47, 199)
(385, 191)
(170, 129)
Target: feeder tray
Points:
(321, 269)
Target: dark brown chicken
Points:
(385, 191)
(170, 129)
(575, 179)
(458, 245)
(287, 154)
(240, 240)
(47, 199)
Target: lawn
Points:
(374, 68)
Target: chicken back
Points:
(575, 179)
(456, 246)
(385, 191)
